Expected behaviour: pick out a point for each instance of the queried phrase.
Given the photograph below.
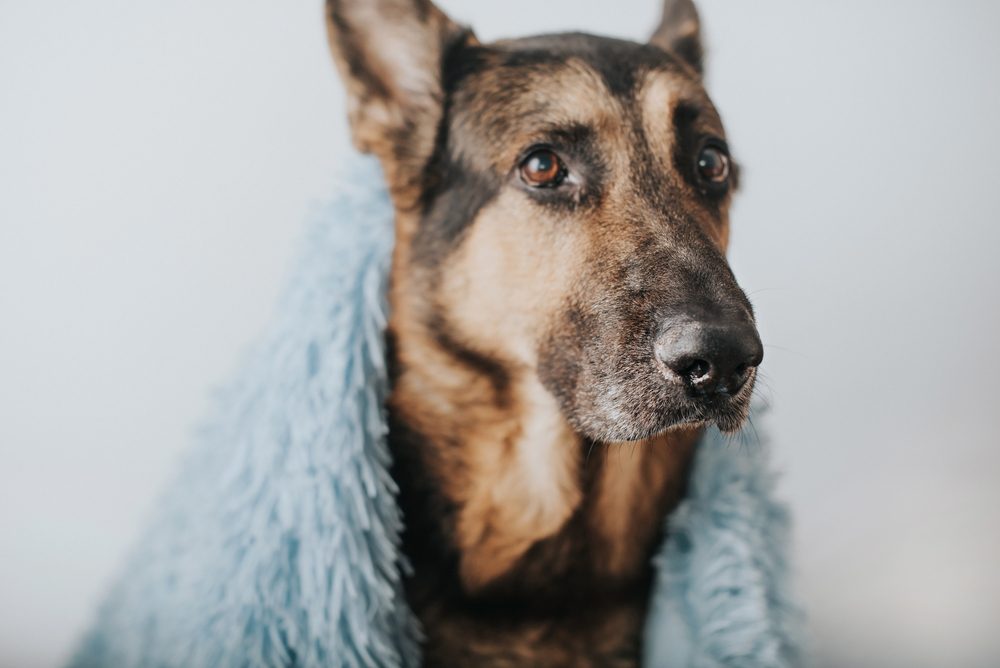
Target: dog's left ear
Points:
(389, 54)
(680, 32)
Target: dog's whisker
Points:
(784, 349)
(760, 290)
(753, 428)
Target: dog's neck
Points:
(496, 478)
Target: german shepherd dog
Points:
(563, 319)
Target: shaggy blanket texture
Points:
(278, 542)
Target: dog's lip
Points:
(672, 408)
(731, 415)
(727, 412)
(729, 418)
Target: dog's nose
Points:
(713, 357)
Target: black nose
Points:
(710, 357)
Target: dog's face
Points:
(563, 210)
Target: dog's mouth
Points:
(648, 407)
(728, 413)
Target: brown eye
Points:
(713, 165)
(542, 169)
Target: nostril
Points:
(739, 378)
(697, 371)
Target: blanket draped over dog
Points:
(278, 542)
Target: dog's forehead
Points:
(509, 90)
(619, 62)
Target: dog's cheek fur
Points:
(597, 360)
(492, 293)
(511, 273)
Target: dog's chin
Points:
(631, 423)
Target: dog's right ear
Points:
(680, 32)
(389, 53)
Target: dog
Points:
(564, 323)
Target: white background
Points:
(157, 160)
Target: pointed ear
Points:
(389, 54)
(680, 32)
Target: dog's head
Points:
(562, 209)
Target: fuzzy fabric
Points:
(278, 542)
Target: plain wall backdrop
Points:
(157, 160)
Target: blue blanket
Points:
(278, 542)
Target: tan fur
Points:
(598, 643)
(625, 513)
(518, 494)
(507, 277)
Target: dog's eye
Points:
(713, 165)
(542, 169)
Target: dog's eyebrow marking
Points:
(578, 141)
(568, 135)
(667, 99)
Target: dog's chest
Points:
(623, 493)
(577, 596)
(581, 517)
